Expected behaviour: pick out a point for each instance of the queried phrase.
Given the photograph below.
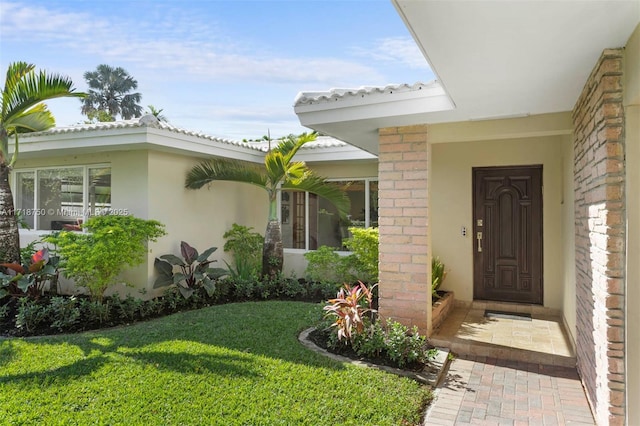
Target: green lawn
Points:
(235, 364)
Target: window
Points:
(62, 198)
(309, 221)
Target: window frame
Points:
(85, 188)
(367, 206)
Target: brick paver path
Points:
(487, 391)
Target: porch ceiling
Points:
(493, 59)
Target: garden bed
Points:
(441, 308)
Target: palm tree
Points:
(22, 112)
(157, 113)
(279, 172)
(109, 91)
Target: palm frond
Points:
(290, 145)
(36, 119)
(32, 88)
(219, 169)
(318, 185)
(15, 72)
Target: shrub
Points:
(364, 246)
(403, 346)
(95, 259)
(371, 342)
(246, 247)
(194, 271)
(30, 314)
(64, 312)
(325, 264)
(94, 311)
(128, 308)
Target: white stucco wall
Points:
(199, 217)
(451, 205)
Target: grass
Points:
(234, 364)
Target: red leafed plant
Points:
(350, 308)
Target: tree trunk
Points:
(9, 236)
(272, 254)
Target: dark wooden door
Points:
(507, 220)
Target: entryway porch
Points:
(510, 331)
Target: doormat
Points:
(508, 315)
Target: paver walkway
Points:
(489, 391)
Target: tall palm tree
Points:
(109, 91)
(279, 172)
(22, 112)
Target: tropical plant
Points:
(349, 309)
(30, 278)
(22, 111)
(109, 91)
(438, 274)
(246, 247)
(95, 259)
(280, 171)
(157, 113)
(194, 270)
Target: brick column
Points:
(405, 242)
(600, 238)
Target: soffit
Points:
(493, 60)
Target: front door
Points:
(507, 219)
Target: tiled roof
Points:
(150, 121)
(311, 98)
(144, 121)
(320, 143)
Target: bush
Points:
(246, 247)
(324, 264)
(31, 314)
(403, 346)
(64, 312)
(357, 327)
(364, 246)
(95, 259)
(94, 311)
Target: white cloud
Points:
(396, 49)
(181, 43)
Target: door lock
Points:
(479, 238)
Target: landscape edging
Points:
(431, 377)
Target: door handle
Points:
(479, 238)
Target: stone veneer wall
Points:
(600, 237)
(405, 286)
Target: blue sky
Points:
(227, 68)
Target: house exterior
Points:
(518, 167)
(139, 166)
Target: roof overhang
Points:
(493, 60)
(145, 134)
(129, 138)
